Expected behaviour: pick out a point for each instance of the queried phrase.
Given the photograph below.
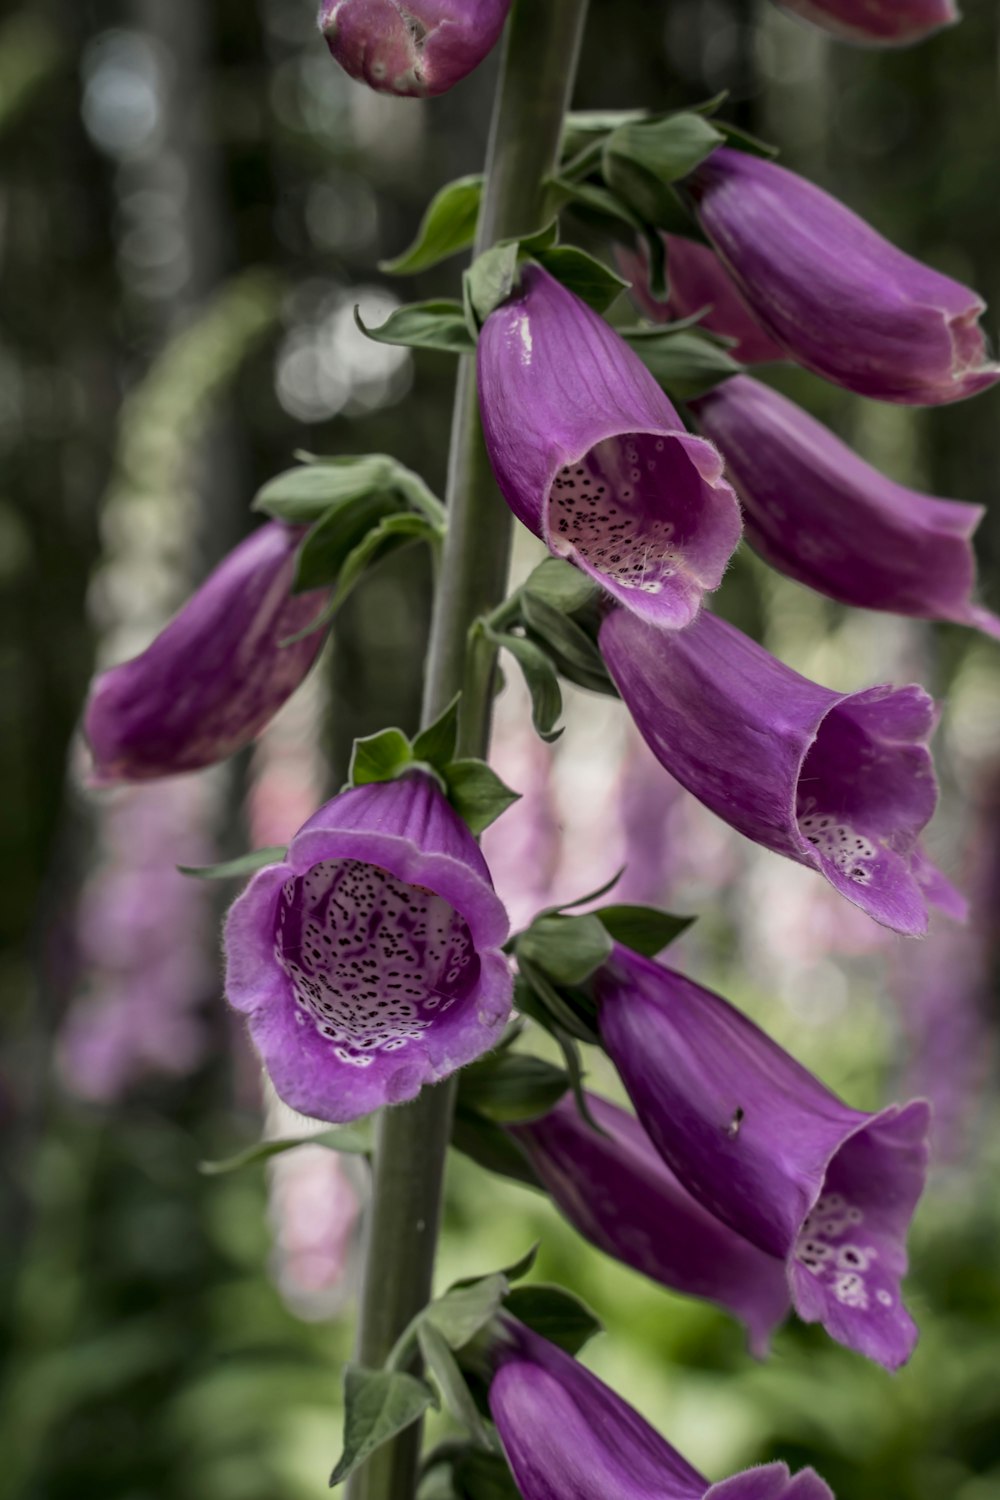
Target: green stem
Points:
(536, 80)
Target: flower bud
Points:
(420, 48)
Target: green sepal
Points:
(324, 552)
(443, 1366)
(306, 493)
(483, 1476)
(354, 1140)
(440, 324)
(684, 363)
(644, 929)
(556, 1314)
(489, 1145)
(380, 757)
(477, 794)
(511, 1086)
(561, 1014)
(744, 141)
(567, 949)
(572, 649)
(643, 157)
(541, 679)
(236, 869)
(490, 280)
(390, 534)
(448, 226)
(378, 1404)
(558, 583)
(588, 278)
(436, 744)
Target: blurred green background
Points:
(192, 200)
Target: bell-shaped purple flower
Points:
(842, 300)
(876, 23)
(420, 48)
(762, 1144)
(621, 1196)
(841, 782)
(818, 513)
(568, 1436)
(368, 961)
(699, 283)
(592, 457)
(216, 675)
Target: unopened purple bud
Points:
(841, 782)
(568, 1436)
(876, 23)
(216, 675)
(818, 513)
(838, 297)
(420, 48)
(368, 961)
(618, 1192)
(591, 456)
(768, 1149)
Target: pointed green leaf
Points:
(307, 493)
(568, 949)
(477, 794)
(558, 583)
(644, 929)
(685, 364)
(642, 158)
(443, 1365)
(491, 278)
(563, 634)
(448, 226)
(424, 325)
(589, 279)
(436, 744)
(744, 141)
(465, 1308)
(380, 757)
(331, 541)
(556, 1314)
(512, 1086)
(355, 1140)
(378, 1404)
(536, 996)
(235, 869)
(541, 679)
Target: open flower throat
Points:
(373, 961)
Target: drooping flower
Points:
(368, 961)
(699, 283)
(768, 1149)
(568, 1436)
(591, 456)
(215, 675)
(618, 1192)
(876, 23)
(841, 782)
(842, 300)
(820, 514)
(420, 48)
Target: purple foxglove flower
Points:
(368, 961)
(876, 23)
(592, 457)
(699, 281)
(842, 300)
(215, 676)
(420, 48)
(820, 514)
(841, 782)
(764, 1146)
(568, 1436)
(622, 1196)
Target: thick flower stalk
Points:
(614, 1188)
(766, 1147)
(568, 1436)
(818, 513)
(215, 676)
(414, 49)
(876, 23)
(368, 961)
(841, 782)
(591, 456)
(700, 284)
(837, 296)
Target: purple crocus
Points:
(568, 1436)
(216, 675)
(841, 782)
(368, 961)
(592, 457)
(621, 1196)
(820, 514)
(420, 48)
(765, 1147)
(699, 283)
(876, 23)
(842, 300)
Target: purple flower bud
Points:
(592, 457)
(842, 300)
(820, 514)
(216, 675)
(841, 782)
(568, 1436)
(368, 961)
(877, 23)
(698, 280)
(621, 1196)
(764, 1146)
(420, 48)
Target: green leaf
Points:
(448, 226)
(464, 1309)
(235, 869)
(307, 493)
(556, 1314)
(685, 364)
(443, 1365)
(536, 996)
(541, 678)
(391, 533)
(590, 279)
(484, 1476)
(644, 929)
(558, 583)
(420, 497)
(330, 543)
(378, 1404)
(568, 949)
(477, 794)
(641, 159)
(574, 1067)
(355, 1140)
(571, 644)
(439, 325)
(744, 141)
(436, 744)
(489, 1146)
(490, 279)
(379, 757)
(511, 1087)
